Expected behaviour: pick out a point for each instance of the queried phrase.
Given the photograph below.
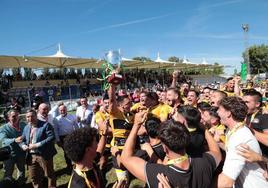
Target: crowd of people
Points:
(180, 136)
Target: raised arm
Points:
(134, 164)
(174, 78)
(213, 147)
(236, 86)
(112, 98)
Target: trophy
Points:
(111, 66)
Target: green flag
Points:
(243, 73)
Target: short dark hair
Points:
(105, 96)
(120, 99)
(31, 111)
(228, 79)
(152, 125)
(203, 106)
(75, 144)
(252, 92)
(174, 135)
(206, 88)
(236, 106)
(152, 96)
(213, 111)
(192, 115)
(195, 91)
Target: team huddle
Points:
(179, 136)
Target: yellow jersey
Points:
(121, 126)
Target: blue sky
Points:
(197, 29)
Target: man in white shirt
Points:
(64, 124)
(237, 171)
(83, 113)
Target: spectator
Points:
(38, 142)
(64, 125)
(83, 112)
(11, 135)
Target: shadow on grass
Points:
(63, 171)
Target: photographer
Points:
(10, 135)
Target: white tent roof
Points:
(59, 53)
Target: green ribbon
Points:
(107, 71)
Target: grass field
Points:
(63, 177)
(61, 173)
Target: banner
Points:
(243, 73)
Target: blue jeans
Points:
(9, 164)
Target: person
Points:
(236, 171)
(216, 96)
(142, 104)
(173, 97)
(121, 121)
(255, 119)
(54, 112)
(83, 112)
(192, 97)
(42, 112)
(211, 119)
(229, 87)
(101, 119)
(153, 147)
(11, 135)
(64, 124)
(192, 118)
(181, 170)
(251, 156)
(82, 148)
(38, 142)
(206, 93)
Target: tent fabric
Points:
(71, 62)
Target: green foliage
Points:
(217, 69)
(258, 58)
(142, 58)
(175, 59)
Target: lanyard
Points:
(230, 132)
(126, 117)
(178, 160)
(191, 129)
(252, 117)
(88, 182)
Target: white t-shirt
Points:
(245, 174)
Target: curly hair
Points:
(174, 135)
(236, 106)
(75, 144)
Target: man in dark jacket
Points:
(38, 141)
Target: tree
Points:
(142, 58)
(258, 58)
(217, 69)
(175, 59)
